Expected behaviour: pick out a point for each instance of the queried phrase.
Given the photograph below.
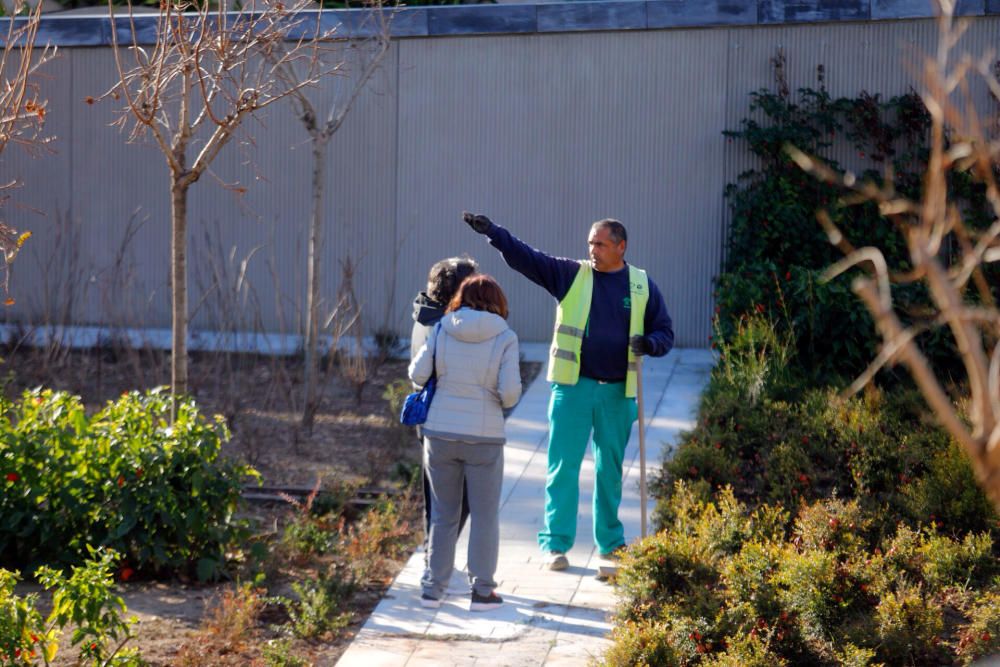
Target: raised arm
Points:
(555, 274)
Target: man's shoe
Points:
(615, 554)
(485, 602)
(427, 602)
(556, 561)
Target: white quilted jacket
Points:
(477, 363)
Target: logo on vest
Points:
(627, 303)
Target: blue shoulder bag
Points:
(417, 404)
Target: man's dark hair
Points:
(616, 230)
(445, 277)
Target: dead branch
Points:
(971, 316)
(22, 111)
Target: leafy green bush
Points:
(320, 605)
(776, 248)
(125, 478)
(888, 551)
(85, 601)
(881, 448)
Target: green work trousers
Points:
(576, 411)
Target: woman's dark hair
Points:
(480, 292)
(445, 277)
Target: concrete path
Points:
(549, 618)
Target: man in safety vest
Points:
(608, 313)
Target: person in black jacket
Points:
(428, 308)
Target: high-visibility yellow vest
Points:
(571, 322)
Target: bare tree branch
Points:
(928, 227)
(207, 72)
(22, 112)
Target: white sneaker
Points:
(427, 602)
(556, 560)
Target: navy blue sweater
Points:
(604, 355)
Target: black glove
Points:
(479, 223)
(639, 345)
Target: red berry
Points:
(13, 477)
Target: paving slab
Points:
(548, 618)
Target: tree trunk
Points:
(178, 290)
(313, 284)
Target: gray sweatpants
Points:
(480, 467)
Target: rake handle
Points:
(642, 446)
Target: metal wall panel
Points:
(545, 133)
(548, 134)
(116, 186)
(886, 58)
(42, 179)
(96, 186)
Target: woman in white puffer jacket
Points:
(475, 356)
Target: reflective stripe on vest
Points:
(571, 321)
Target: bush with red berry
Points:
(125, 478)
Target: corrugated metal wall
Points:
(544, 133)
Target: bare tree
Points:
(947, 257)
(207, 71)
(359, 55)
(22, 113)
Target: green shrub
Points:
(947, 495)
(319, 607)
(981, 636)
(641, 643)
(84, 601)
(665, 567)
(950, 563)
(888, 544)
(278, 653)
(811, 588)
(125, 478)
(754, 359)
(22, 630)
(315, 524)
(881, 448)
(751, 589)
(725, 583)
(749, 650)
(776, 248)
(908, 622)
